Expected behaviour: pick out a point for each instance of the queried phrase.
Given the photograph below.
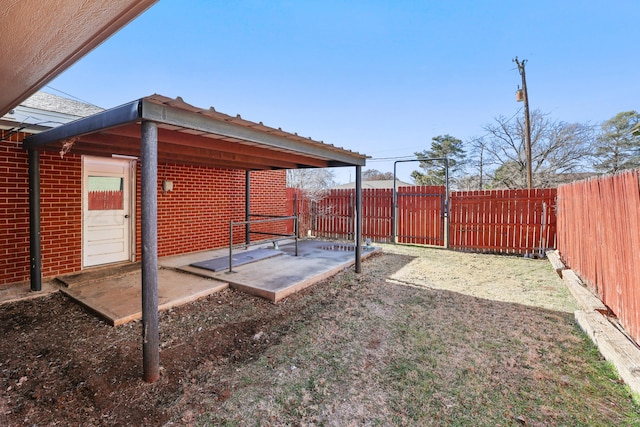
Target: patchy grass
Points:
(381, 353)
(422, 337)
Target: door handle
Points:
(126, 216)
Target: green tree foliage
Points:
(618, 146)
(509, 175)
(434, 172)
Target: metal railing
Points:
(278, 236)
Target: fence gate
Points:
(420, 215)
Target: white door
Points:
(106, 210)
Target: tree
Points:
(618, 147)
(468, 183)
(313, 182)
(376, 175)
(557, 148)
(509, 175)
(477, 160)
(442, 146)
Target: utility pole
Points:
(527, 125)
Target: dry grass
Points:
(422, 337)
(365, 351)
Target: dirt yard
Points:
(422, 337)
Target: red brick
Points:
(195, 216)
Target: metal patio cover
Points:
(40, 39)
(161, 129)
(192, 136)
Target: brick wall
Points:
(14, 209)
(194, 216)
(61, 213)
(60, 206)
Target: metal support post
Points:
(295, 231)
(358, 207)
(230, 246)
(352, 217)
(446, 203)
(35, 253)
(295, 204)
(149, 196)
(394, 207)
(247, 206)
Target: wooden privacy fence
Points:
(498, 221)
(503, 221)
(599, 238)
(333, 215)
(420, 215)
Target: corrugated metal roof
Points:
(193, 136)
(178, 102)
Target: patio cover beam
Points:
(179, 117)
(117, 116)
(217, 143)
(104, 144)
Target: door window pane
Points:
(106, 193)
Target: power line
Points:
(72, 96)
(24, 125)
(383, 159)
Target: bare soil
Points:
(421, 337)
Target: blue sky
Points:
(378, 77)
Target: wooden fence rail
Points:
(498, 221)
(599, 238)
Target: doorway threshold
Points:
(96, 274)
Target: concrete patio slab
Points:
(246, 257)
(119, 299)
(114, 293)
(277, 278)
(21, 291)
